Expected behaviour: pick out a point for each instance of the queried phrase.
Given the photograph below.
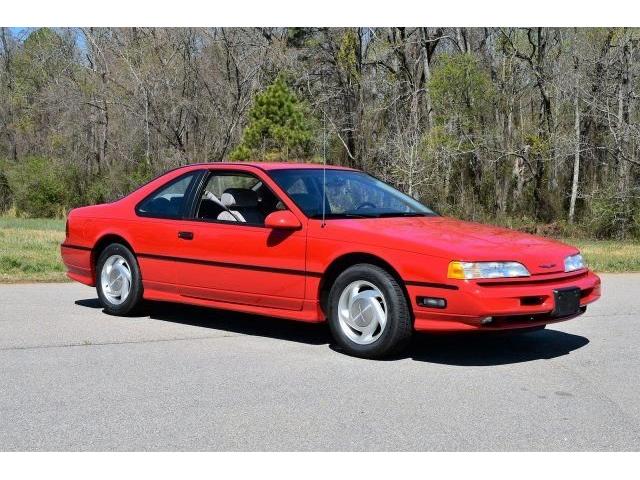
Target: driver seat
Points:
(243, 205)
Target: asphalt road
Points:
(183, 378)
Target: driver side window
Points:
(236, 197)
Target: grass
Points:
(609, 255)
(30, 251)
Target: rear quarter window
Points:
(169, 200)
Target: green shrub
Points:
(459, 87)
(613, 216)
(40, 187)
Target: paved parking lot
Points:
(183, 378)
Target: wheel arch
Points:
(103, 242)
(341, 263)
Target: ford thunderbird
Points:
(315, 244)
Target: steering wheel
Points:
(365, 205)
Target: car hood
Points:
(457, 240)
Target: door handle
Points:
(185, 235)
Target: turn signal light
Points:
(456, 270)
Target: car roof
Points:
(272, 165)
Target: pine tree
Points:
(277, 129)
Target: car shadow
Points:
(235, 322)
(493, 348)
(465, 349)
(89, 303)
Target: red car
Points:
(267, 238)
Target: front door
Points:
(232, 256)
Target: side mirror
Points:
(282, 220)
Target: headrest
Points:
(239, 197)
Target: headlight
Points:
(573, 262)
(470, 270)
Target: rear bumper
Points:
(511, 304)
(77, 259)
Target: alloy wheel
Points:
(362, 312)
(116, 279)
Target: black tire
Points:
(134, 298)
(399, 326)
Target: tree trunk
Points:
(426, 65)
(147, 134)
(461, 37)
(8, 67)
(576, 155)
(623, 122)
(576, 160)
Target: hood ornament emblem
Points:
(547, 265)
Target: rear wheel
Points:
(118, 280)
(368, 312)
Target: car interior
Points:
(245, 204)
(169, 205)
(169, 200)
(307, 195)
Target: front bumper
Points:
(511, 303)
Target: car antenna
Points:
(324, 167)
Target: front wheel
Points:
(368, 312)
(118, 280)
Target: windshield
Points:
(348, 194)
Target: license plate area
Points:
(566, 301)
